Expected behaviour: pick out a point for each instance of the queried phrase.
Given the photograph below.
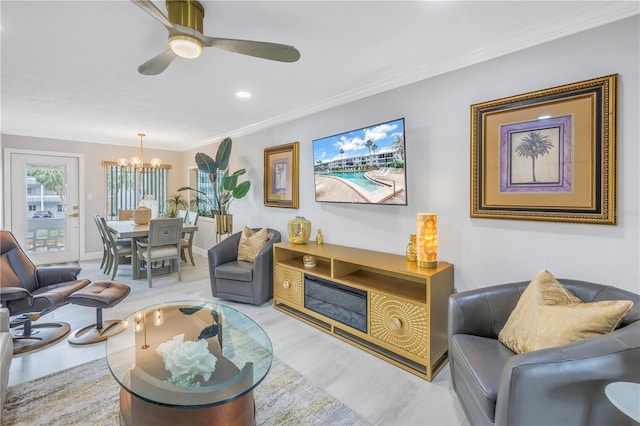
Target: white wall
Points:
(436, 111)
(94, 179)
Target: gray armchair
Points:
(555, 386)
(242, 281)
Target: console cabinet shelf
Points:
(379, 302)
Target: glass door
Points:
(44, 212)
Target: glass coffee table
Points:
(194, 362)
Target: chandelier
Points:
(138, 162)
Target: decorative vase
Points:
(224, 224)
(319, 238)
(299, 230)
(412, 252)
(150, 202)
(141, 215)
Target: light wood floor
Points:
(381, 392)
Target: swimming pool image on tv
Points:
(362, 166)
(357, 178)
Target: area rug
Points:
(89, 395)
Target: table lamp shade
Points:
(427, 240)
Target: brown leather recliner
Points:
(555, 386)
(25, 289)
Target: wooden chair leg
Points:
(191, 256)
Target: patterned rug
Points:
(89, 395)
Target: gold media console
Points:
(379, 302)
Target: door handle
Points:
(74, 215)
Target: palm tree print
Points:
(533, 145)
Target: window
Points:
(204, 184)
(126, 187)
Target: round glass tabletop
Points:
(189, 354)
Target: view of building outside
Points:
(45, 209)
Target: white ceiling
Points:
(69, 68)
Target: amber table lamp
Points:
(427, 240)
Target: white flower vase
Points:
(149, 201)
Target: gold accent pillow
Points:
(251, 243)
(548, 315)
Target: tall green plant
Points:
(225, 185)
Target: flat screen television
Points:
(362, 166)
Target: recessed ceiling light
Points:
(243, 94)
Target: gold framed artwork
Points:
(281, 176)
(548, 155)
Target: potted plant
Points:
(202, 204)
(174, 203)
(225, 185)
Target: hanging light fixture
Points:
(138, 162)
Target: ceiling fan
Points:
(184, 23)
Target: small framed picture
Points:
(281, 176)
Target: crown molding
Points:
(588, 16)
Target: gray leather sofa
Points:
(6, 353)
(555, 386)
(242, 281)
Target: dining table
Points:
(129, 229)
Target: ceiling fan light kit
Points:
(184, 22)
(188, 13)
(185, 46)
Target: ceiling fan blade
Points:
(259, 49)
(157, 64)
(152, 10)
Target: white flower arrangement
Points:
(187, 358)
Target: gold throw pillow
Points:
(549, 315)
(251, 243)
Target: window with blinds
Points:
(205, 185)
(126, 187)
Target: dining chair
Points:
(164, 243)
(183, 214)
(105, 243)
(118, 251)
(187, 237)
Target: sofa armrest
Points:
(56, 275)
(13, 293)
(263, 262)
(16, 299)
(225, 251)
(483, 312)
(4, 320)
(533, 383)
